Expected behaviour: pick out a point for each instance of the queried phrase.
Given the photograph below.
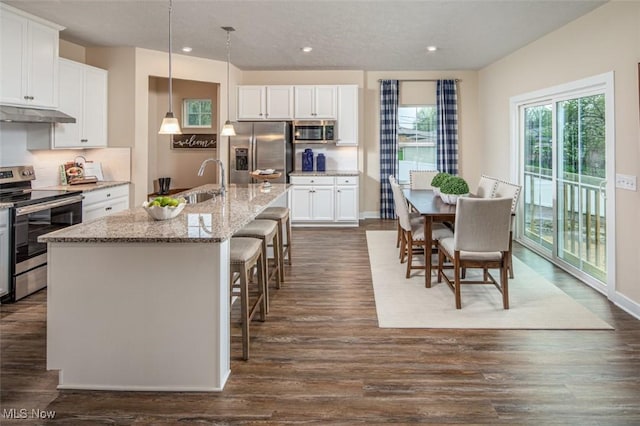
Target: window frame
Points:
(402, 145)
(185, 113)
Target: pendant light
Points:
(170, 125)
(227, 129)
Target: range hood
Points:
(13, 114)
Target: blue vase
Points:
(320, 163)
(307, 160)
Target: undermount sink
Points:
(199, 197)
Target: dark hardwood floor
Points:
(320, 358)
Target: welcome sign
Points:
(194, 141)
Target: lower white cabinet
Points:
(4, 251)
(347, 199)
(324, 200)
(103, 202)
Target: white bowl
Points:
(163, 213)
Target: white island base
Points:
(139, 316)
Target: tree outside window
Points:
(196, 113)
(417, 135)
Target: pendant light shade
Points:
(170, 125)
(228, 129)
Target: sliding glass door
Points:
(566, 161)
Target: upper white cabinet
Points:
(28, 59)
(265, 102)
(315, 102)
(347, 122)
(83, 95)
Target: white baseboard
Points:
(627, 305)
(370, 215)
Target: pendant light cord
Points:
(228, 61)
(170, 49)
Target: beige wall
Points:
(71, 51)
(607, 39)
(180, 165)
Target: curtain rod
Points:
(434, 80)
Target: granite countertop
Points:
(87, 187)
(210, 221)
(326, 173)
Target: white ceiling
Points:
(358, 34)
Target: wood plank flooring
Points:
(320, 358)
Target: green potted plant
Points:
(437, 181)
(452, 188)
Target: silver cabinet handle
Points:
(84, 140)
(109, 194)
(108, 208)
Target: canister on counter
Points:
(320, 163)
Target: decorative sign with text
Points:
(195, 141)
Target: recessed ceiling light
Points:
(307, 49)
(187, 49)
(432, 48)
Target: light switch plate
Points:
(626, 182)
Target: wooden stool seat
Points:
(282, 216)
(246, 254)
(267, 231)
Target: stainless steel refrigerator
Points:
(260, 145)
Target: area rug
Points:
(535, 303)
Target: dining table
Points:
(433, 210)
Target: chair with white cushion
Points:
(486, 187)
(412, 231)
(509, 190)
(282, 216)
(480, 240)
(421, 179)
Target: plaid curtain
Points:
(447, 111)
(388, 145)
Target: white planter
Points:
(452, 198)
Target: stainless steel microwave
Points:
(314, 131)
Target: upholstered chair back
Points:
(482, 224)
(486, 187)
(421, 179)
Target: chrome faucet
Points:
(220, 165)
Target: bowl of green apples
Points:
(163, 208)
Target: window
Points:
(196, 113)
(417, 133)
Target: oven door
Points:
(29, 260)
(39, 219)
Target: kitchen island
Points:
(143, 305)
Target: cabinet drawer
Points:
(346, 180)
(312, 180)
(106, 194)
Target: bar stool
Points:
(281, 215)
(246, 253)
(267, 232)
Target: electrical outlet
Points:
(626, 182)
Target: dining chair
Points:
(421, 179)
(509, 190)
(412, 231)
(480, 240)
(486, 187)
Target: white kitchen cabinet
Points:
(315, 102)
(265, 103)
(347, 199)
(4, 251)
(324, 200)
(103, 202)
(83, 95)
(347, 122)
(312, 198)
(28, 59)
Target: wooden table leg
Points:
(427, 251)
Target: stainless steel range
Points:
(33, 213)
